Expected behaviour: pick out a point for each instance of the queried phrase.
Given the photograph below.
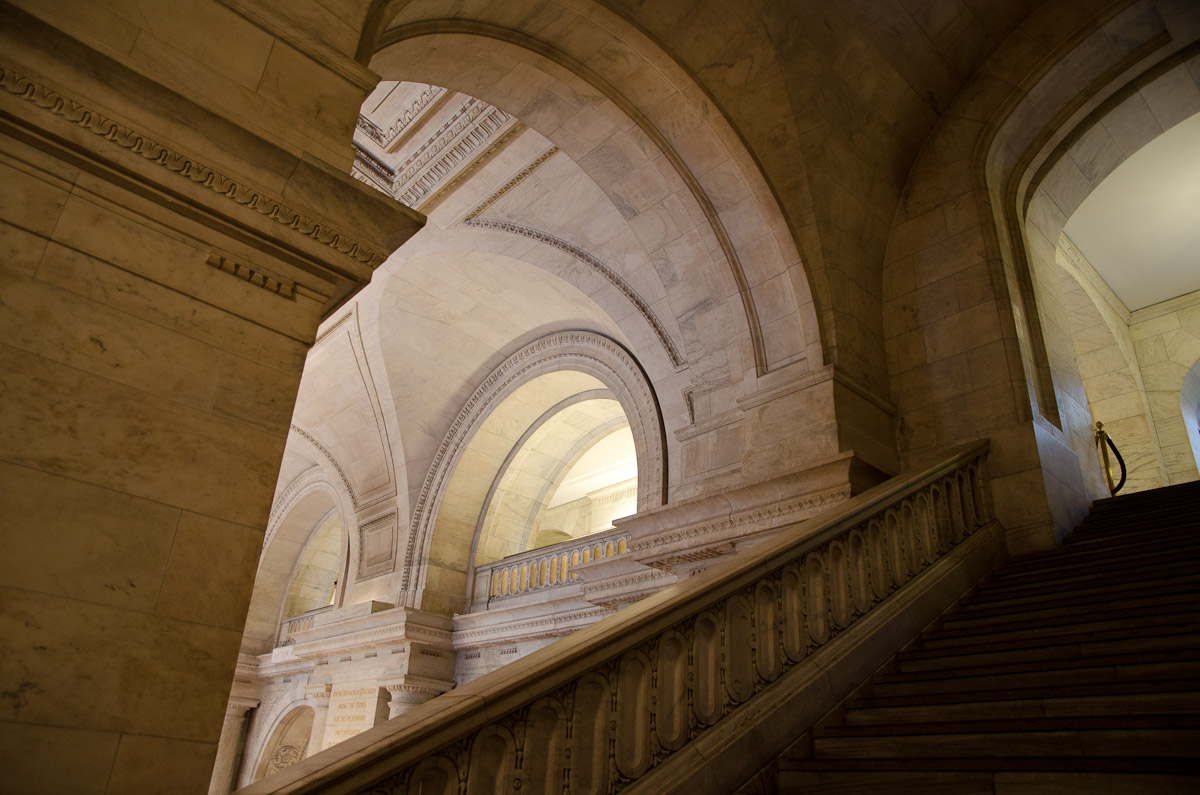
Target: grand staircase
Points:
(1073, 671)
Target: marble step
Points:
(1097, 594)
(1027, 780)
(1074, 577)
(1149, 605)
(1099, 557)
(867, 712)
(941, 659)
(1163, 494)
(872, 696)
(1048, 665)
(1165, 742)
(1156, 523)
(936, 644)
(1189, 721)
(1019, 679)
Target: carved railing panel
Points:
(549, 567)
(701, 649)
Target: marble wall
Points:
(1166, 337)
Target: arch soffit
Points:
(1034, 131)
(753, 231)
(552, 468)
(582, 351)
(285, 714)
(1002, 131)
(309, 498)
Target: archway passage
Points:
(513, 447)
(572, 472)
(318, 569)
(288, 743)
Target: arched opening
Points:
(1117, 291)
(513, 446)
(318, 570)
(570, 475)
(288, 743)
(303, 563)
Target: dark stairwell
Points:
(1072, 671)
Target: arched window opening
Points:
(288, 743)
(316, 577)
(599, 487)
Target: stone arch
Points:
(1109, 376)
(299, 509)
(964, 337)
(662, 125)
(286, 742)
(579, 361)
(520, 497)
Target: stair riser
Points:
(1146, 743)
(1100, 705)
(1080, 651)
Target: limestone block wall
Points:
(1108, 365)
(1167, 341)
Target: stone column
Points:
(317, 697)
(163, 273)
(231, 746)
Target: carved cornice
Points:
(272, 284)
(477, 162)
(328, 456)
(419, 180)
(599, 267)
(517, 630)
(516, 180)
(729, 527)
(385, 138)
(187, 167)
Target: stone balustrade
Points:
(300, 623)
(548, 567)
(600, 710)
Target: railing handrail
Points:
(556, 548)
(1105, 443)
(386, 750)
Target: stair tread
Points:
(1160, 765)
(1059, 668)
(1132, 722)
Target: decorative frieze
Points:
(141, 144)
(610, 275)
(407, 117)
(258, 278)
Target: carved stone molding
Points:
(599, 267)
(377, 545)
(187, 167)
(516, 179)
(385, 138)
(328, 456)
(311, 480)
(269, 282)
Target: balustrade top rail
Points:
(588, 711)
(545, 567)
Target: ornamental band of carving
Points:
(599, 267)
(140, 144)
